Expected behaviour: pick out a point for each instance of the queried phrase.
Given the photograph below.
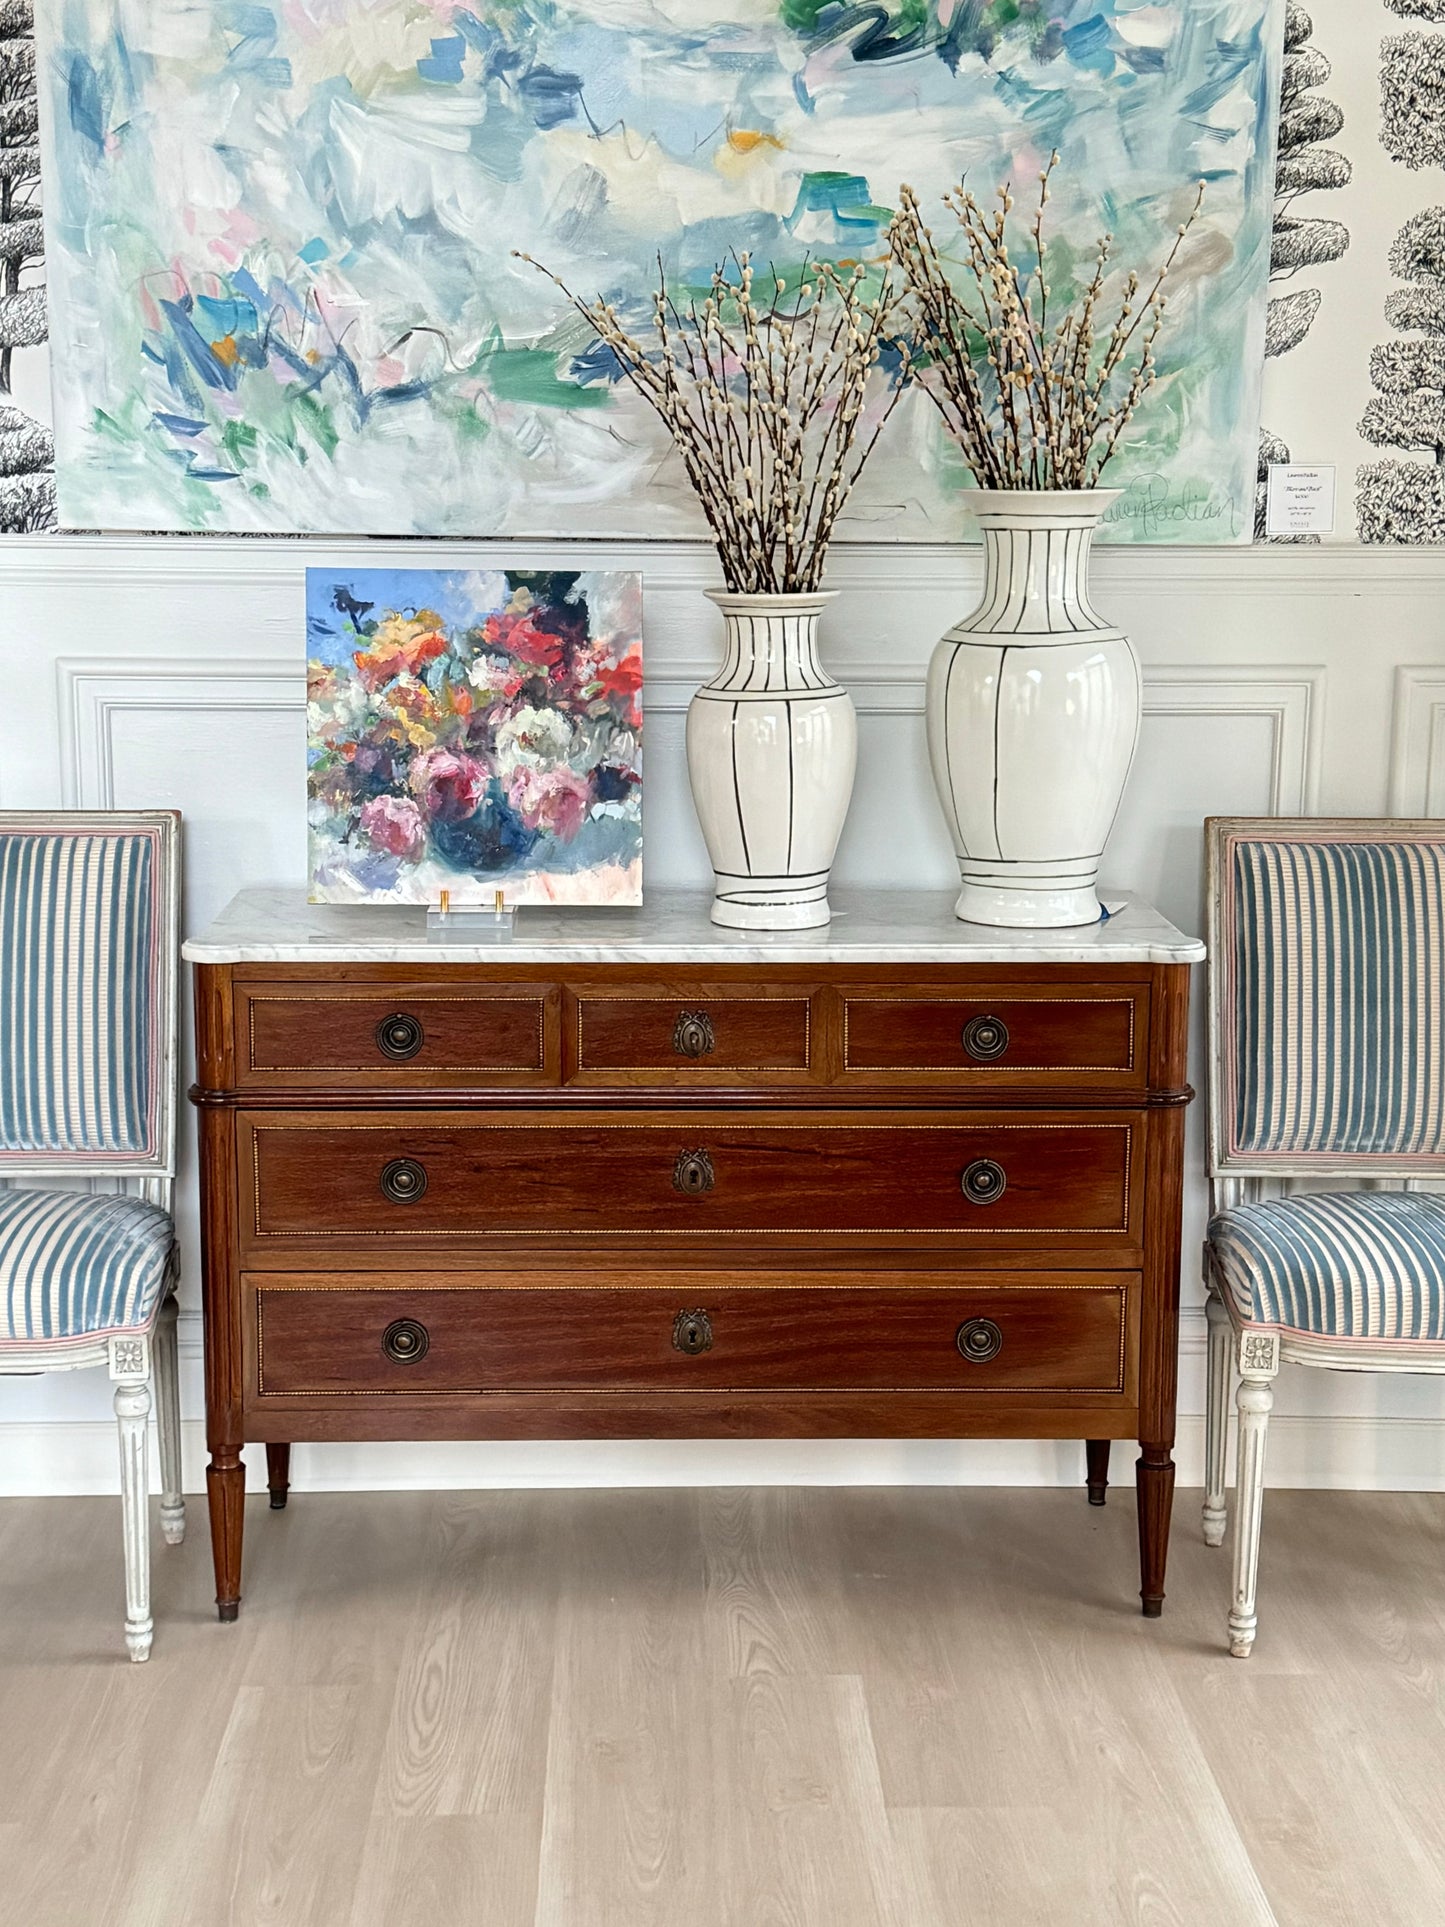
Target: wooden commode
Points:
(630, 1175)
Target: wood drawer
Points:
(1032, 1177)
(373, 1037)
(1094, 1038)
(701, 1034)
(1063, 1333)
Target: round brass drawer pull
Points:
(979, 1339)
(693, 1174)
(400, 1036)
(983, 1181)
(692, 1333)
(405, 1341)
(985, 1038)
(692, 1034)
(403, 1180)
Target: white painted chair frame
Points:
(1254, 1357)
(132, 1358)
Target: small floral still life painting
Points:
(474, 731)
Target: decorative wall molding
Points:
(1417, 741)
(93, 691)
(1364, 570)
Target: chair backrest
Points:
(1327, 997)
(89, 928)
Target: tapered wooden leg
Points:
(1154, 1477)
(132, 1410)
(1216, 1420)
(278, 1475)
(226, 1491)
(168, 1423)
(1097, 1453)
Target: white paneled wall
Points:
(171, 672)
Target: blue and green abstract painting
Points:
(281, 237)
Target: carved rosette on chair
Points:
(1033, 715)
(772, 742)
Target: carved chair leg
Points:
(1096, 1452)
(1216, 1419)
(168, 1422)
(278, 1475)
(1258, 1362)
(132, 1410)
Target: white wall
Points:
(171, 672)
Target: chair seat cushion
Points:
(1337, 1264)
(71, 1264)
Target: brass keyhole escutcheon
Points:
(693, 1174)
(979, 1339)
(405, 1340)
(400, 1035)
(692, 1034)
(983, 1181)
(985, 1038)
(692, 1333)
(403, 1180)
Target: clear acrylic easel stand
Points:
(471, 923)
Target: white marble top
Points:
(868, 927)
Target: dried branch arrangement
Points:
(1033, 399)
(774, 397)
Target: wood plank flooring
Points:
(730, 1708)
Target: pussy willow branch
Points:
(766, 394)
(1034, 400)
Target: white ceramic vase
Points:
(772, 742)
(1033, 716)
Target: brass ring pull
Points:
(693, 1174)
(692, 1034)
(400, 1035)
(979, 1340)
(403, 1180)
(985, 1038)
(692, 1333)
(405, 1340)
(984, 1181)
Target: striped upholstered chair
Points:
(88, 933)
(1327, 1063)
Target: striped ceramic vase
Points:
(1033, 714)
(772, 742)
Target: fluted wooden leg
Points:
(278, 1475)
(1096, 1453)
(1154, 1479)
(1216, 1420)
(132, 1411)
(168, 1421)
(226, 1491)
(1255, 1399)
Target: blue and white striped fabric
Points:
(1337, 1264)
(1333, 1021)
(79, 987)
(72, 1265)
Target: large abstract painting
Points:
(282, 231)
(472, 732)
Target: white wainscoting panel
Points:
(170, 671)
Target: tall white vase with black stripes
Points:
(1033, 715)
(772, 743)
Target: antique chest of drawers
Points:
(631, 1175)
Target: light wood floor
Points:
(764, 1708)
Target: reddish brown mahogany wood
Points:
(1064, 1333)
(567, 1220)
(278, 1475)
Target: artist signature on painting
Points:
(1155, 507)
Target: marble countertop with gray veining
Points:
(672, 927)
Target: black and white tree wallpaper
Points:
(27, 451)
